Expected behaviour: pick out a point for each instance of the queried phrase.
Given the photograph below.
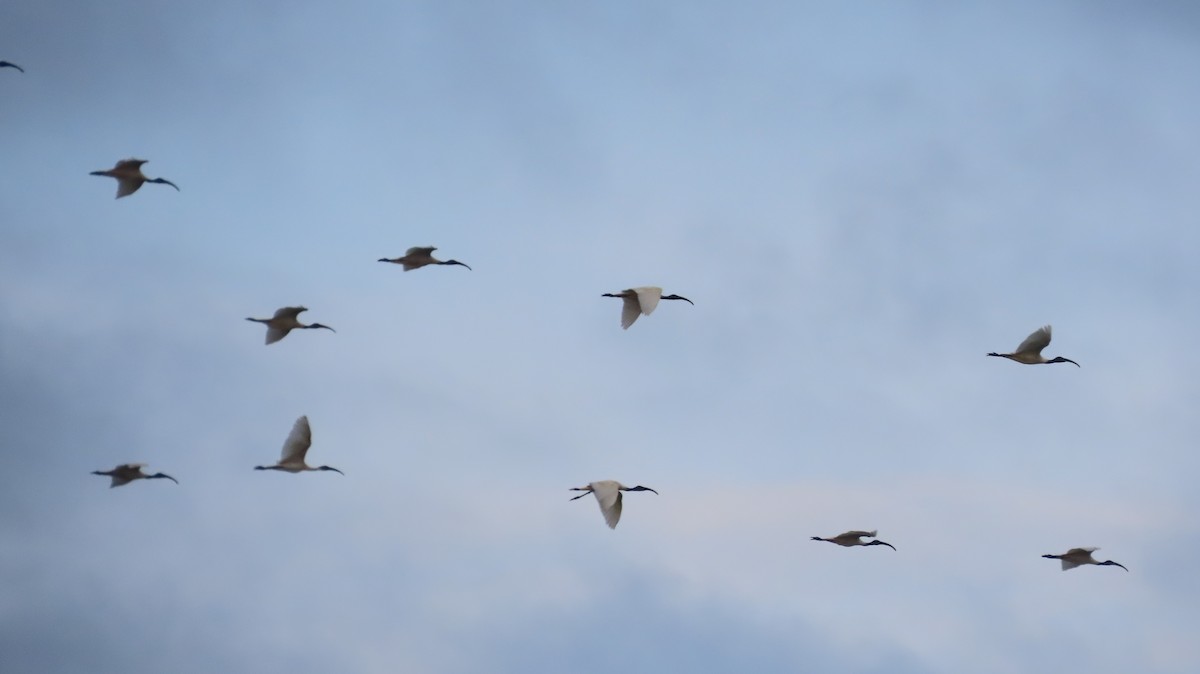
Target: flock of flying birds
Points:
(635, 302)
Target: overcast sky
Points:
(862, 199)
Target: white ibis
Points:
(284, 321)
(6, 64)
(608, 495)
(1080, 556)
(417, 257)
(852, 538)
(128, 472)
(291, 459)
(1030, 350)
(638, 301)
(128, 173)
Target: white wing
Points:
(130, 164)
(275, 334)
(629, 311)
(609, 497)
(297, 443)
(127, 186)
(1076, 557)
(1035, 342)
(131, 466)
(859, 534)
(288, 312)
(648, 297)
(420, 250)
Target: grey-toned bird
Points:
(417, 257)
(128, 173)
(128, 472)
(1080, 556)
(852, 538)
(284, 321)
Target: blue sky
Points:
(862, 199)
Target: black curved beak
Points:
(461, 264)
(333, 469)
(318, 325)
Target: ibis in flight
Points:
(128, 173)
(418, 256)
(852, 538)
(1080, 556)
(638, 301)
(128, 472)
(1030, 350)
(608, 495)
(291, 459)
(284, 321)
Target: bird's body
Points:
(128, 173)
(419, 256)
(1030, 350)
(608, 495)
(1079, 557)
(128, 472)
(643, 300)
(295, 448)
(852, 538)
(284, 321)
(6, 64)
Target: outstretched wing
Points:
(629, 311)
(859, 534)
(609, 497)
(1035, 342)
(648, 297)
(289, 312)
(297, 443)
(127, 186)
(420, 250)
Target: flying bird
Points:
(284, 321)
(295, 447)
(128, 173)
(417, 257)
(638, 301)
(1080, 556)
(1030, 350)
(608, 495)
(128, 472)
(6, 64)
(852, 538)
